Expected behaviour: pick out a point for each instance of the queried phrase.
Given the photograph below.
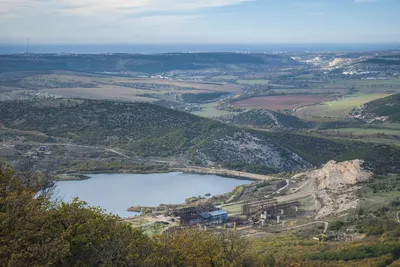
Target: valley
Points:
(310, 141)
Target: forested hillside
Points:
(147, 130)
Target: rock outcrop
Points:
(334, 186)
(334, 176)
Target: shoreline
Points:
(239, 175)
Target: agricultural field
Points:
(142, 82)
(99, 86)
(361, 86)
(337, 109)
(380, 133)
(366, 131)
(280, 102)
(103, 92)
(208, 110)
(224, 77)
(252, 82)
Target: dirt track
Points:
(226, 172)
(307, 224)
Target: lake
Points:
(117, 192)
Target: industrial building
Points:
(216, 216)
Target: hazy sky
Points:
(200, 21)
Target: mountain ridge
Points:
(147, 130)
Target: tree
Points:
(233, 246)
(37, 232)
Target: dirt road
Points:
(93, 147)
(226, 172)
(307, 224)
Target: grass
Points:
(224, 77)
(368, 82)
(208, 110)
(308, 203)
(280, 102)
(392, 126)
(288, 249)
(233, 208)
(366, 131)
(336, 109)
(253, 82)
(305, 76)
(387, 189)
(363, 86)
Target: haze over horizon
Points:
(200, 21)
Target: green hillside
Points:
(137, 62)
(147, 130)
(266, 119)
(387, 106)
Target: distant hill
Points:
(148, 130)
(265, 119)
(137, 62)
(394, 61)
(388, 108)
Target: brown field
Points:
(107, 87)
(222, 87)
(280, 102)
(113, 93)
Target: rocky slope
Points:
(335, 176)
(335, 185)
(265, 119)
(384, 109)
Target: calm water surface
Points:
(117, 192)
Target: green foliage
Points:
(37, 232)
(357, 253)
(336, 225)
(386, 227)
(203, 97)
(149, 130)
(266, 119)
(387, 106)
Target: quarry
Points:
(308, 199)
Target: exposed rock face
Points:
(335, 175)
(335, 185)
(242, 147)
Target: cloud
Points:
(96, 7)
(165, 20)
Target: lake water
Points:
(117, 192)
